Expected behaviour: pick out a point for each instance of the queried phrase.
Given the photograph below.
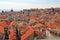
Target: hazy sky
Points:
(26, 4)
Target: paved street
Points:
(50, 37)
